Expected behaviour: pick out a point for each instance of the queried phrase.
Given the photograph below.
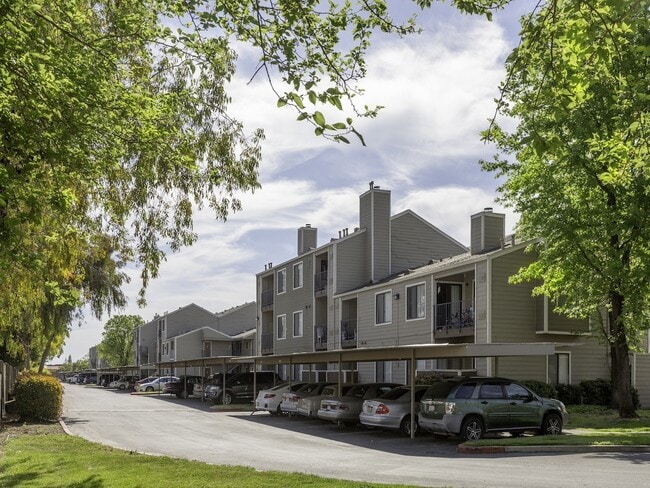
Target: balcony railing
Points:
(267, 343)
(320, 283)
(454, 318)
(348, 333)
(267, 299)
(320, 338)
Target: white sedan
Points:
(270, 400)
(156, 384)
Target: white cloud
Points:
(438, 89)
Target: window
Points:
(416, 302)
(559, 369)
(282, 327)
(282, 281)
(297, 275)
(517, 392)
(491, 391)
(297, 324)
(383, 308)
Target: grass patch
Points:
(58, 461)
(592, 426)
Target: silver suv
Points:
(470, 407)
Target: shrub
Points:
(38, 397)
(541, 388)
(596, 392)
(569, 394)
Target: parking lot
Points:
(189, 428)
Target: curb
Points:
(464, 449)
(64, 427)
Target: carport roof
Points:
(391, 353)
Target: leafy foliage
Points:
(38, 396)
(117, 339)
(577, 88)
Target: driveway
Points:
(164, 425)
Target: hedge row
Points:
(587, 392)
(38, 397)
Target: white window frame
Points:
(388, 307)
(421, 305)
(282, 318)
(299, 274)
(300, 323)
(554, 357)
(282, 272)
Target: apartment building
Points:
(398, 280)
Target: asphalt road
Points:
(163, 425)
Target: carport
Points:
(410, 353)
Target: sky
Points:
(438, 90)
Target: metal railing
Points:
(267, 343)
(320, 337)
(267, 298)
(454, 315)
(349, 333)
(320, 282)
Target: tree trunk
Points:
(621, 375)
(46, 353)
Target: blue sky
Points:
(437, 88)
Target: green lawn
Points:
(58, 461)
(588, 425)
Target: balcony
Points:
(320, 338)
(267, 343)
(267, 300)
(320, 284)
(348, 333)
(454, 319)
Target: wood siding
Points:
(642, 379)
(351, 263)
(188, 318)
(414, 243)
(238, 319)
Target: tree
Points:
(117, 339)
(577, 88)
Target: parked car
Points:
(106, 379)
(473, 406)
(346, 409)
(157, 384)
(124, 382)
(119, 384)
(392, 410)
(184, 386)
(241, 386)
(308, 405)
(290, 400)
(271, 399)
(73, 379)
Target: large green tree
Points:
(117, 339)
(577, 87)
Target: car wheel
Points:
(472, 429)
(122, 387)
(552, 424)
(226, 398)
(149, 388)
(277, 411)
(184, 394)
(405, 426)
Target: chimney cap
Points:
(488, 209)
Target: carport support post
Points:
(412, 374)
(202, 377)
(340, 375)
(223, 381)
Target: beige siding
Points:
(380, 267)
(415, 242)
(589, 360)
(351, 263)
(642, 379)
(239, 319)
(188, 318)
(521, 368)
(480, 303)
(476, 235)
(513, 307)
